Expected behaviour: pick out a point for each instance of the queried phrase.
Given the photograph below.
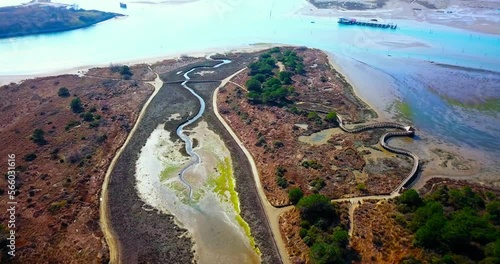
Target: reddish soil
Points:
(321, 89)
(378, 238)
(57, 219)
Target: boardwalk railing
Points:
(408, 131)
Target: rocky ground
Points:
(59, 179)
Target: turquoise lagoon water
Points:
(152, 30)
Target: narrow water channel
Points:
(195, 158)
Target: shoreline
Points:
(106, 16)
(8, 78)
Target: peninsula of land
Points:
(44, 18)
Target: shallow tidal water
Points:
(152, 30)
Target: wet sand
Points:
(210, 218)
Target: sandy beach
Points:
(6, 79)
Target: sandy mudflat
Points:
(210, 218)
(480, 16)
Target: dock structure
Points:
(371, 23)
(123, 5)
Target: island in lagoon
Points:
(32, 19)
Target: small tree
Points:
(316, 207)
(285, 77)
(312, 116)
(295, 194)
(63, 92)
(323, 253)
(37, 136)
(88, 116)
(253, 85)
(125, 71)
(76, 105)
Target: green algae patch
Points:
(168, 172)
(225, 187)
(489, 105)
(404, 109)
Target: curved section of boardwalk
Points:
(408, 131)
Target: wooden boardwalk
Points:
(407, 131)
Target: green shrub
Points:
(37, 137)
(76, 105)
(71, 124)
(295, 194)
(282, 182)
(311, 164)
(303, 232)
(87, 116)
(312, 116)
(30, 157)
(56, 206)
(63, 92)
(331, 117)
(278, 144)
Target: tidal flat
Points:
(212, 215)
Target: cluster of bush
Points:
(267, 87)
(89, 116)
(320, 230)
(458, 225)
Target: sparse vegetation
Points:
(311, 164)
(361, 187)
(56, 206)
(317, 184)
(87, 116)
(71, 124)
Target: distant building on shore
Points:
(123, 5)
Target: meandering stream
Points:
(195, 158)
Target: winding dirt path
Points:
(272, 212)
(104, 215)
